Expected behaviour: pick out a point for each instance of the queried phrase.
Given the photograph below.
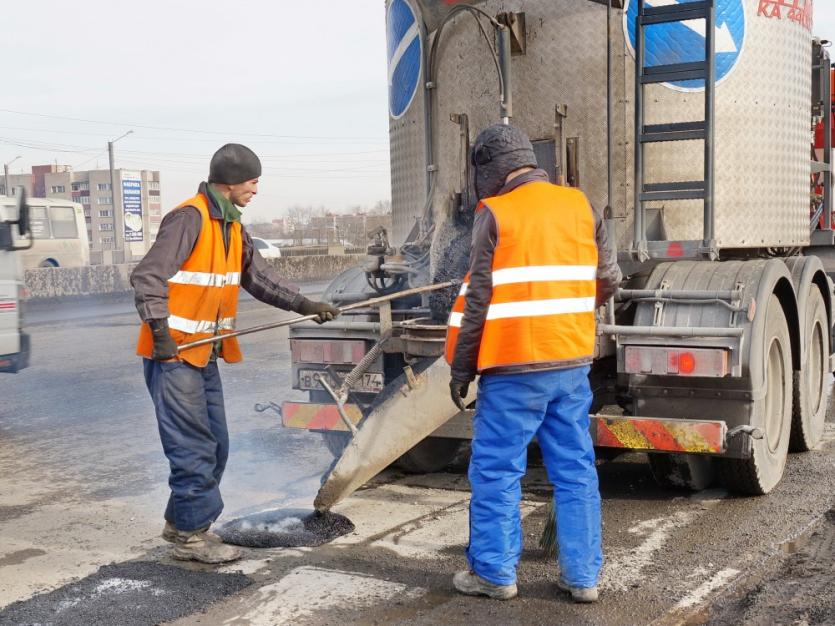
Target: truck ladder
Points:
(702, 130)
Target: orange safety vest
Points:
(203, 295)
(544, 280)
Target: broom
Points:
(548, 540)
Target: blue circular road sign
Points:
(405, 53)
(684, 42)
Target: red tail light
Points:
(663, 361)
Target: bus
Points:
(59, 231)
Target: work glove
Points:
(458, 391)
(324, 311)
(165, 347)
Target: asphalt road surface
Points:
(83, 485)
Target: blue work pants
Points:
(511, 409)
(192, 427)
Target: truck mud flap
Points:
(659, 434)
(410, 408)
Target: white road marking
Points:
(427, 537)
(720, 579)
(624, 568)
(307, 590)
(410, 521)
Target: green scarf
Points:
(228, 210)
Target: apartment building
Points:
(122, 223)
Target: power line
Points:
(188, 130)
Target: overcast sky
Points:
(302, 83)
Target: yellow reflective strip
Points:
(688, 438)
(628, 435)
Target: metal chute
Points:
(412, 407)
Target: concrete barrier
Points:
(94, 280)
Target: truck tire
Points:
(683, 471)
(761, 472)
(810, 397)
(431, 455)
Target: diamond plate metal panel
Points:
(762, 142)
(762, 121)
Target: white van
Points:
(15, 236)
(59, 232)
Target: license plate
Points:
(370, 382)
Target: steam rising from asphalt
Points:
(290, 528)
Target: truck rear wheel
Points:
(809, 413)
(683, 471)
(761, 472)
(431, 455)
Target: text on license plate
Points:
(370, 382)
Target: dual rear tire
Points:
(790, 414)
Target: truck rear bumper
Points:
(659, 434)
(607, 431)
(316, 416)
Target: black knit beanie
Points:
(499, 150)
(233, 164)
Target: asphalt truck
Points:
(703, 131)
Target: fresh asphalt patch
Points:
(136, 593)
(288, 528)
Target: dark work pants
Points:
(192, 427)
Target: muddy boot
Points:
(169, 533)
(196, 546)
(578, 594)
(471, 584)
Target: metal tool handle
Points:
(306, 318)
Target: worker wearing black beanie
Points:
(186, 289)
(233, 164)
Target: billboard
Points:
(132, 205)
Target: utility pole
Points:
(118, 218)
(6, 173)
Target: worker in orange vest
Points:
(186, 289)
(540, 265)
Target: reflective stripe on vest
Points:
(544, 280)
(200, 326)
(203, 294)
(206, 279)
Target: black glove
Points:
(458, 391)
(323, 310)
(165, 347)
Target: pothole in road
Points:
(288, 528)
